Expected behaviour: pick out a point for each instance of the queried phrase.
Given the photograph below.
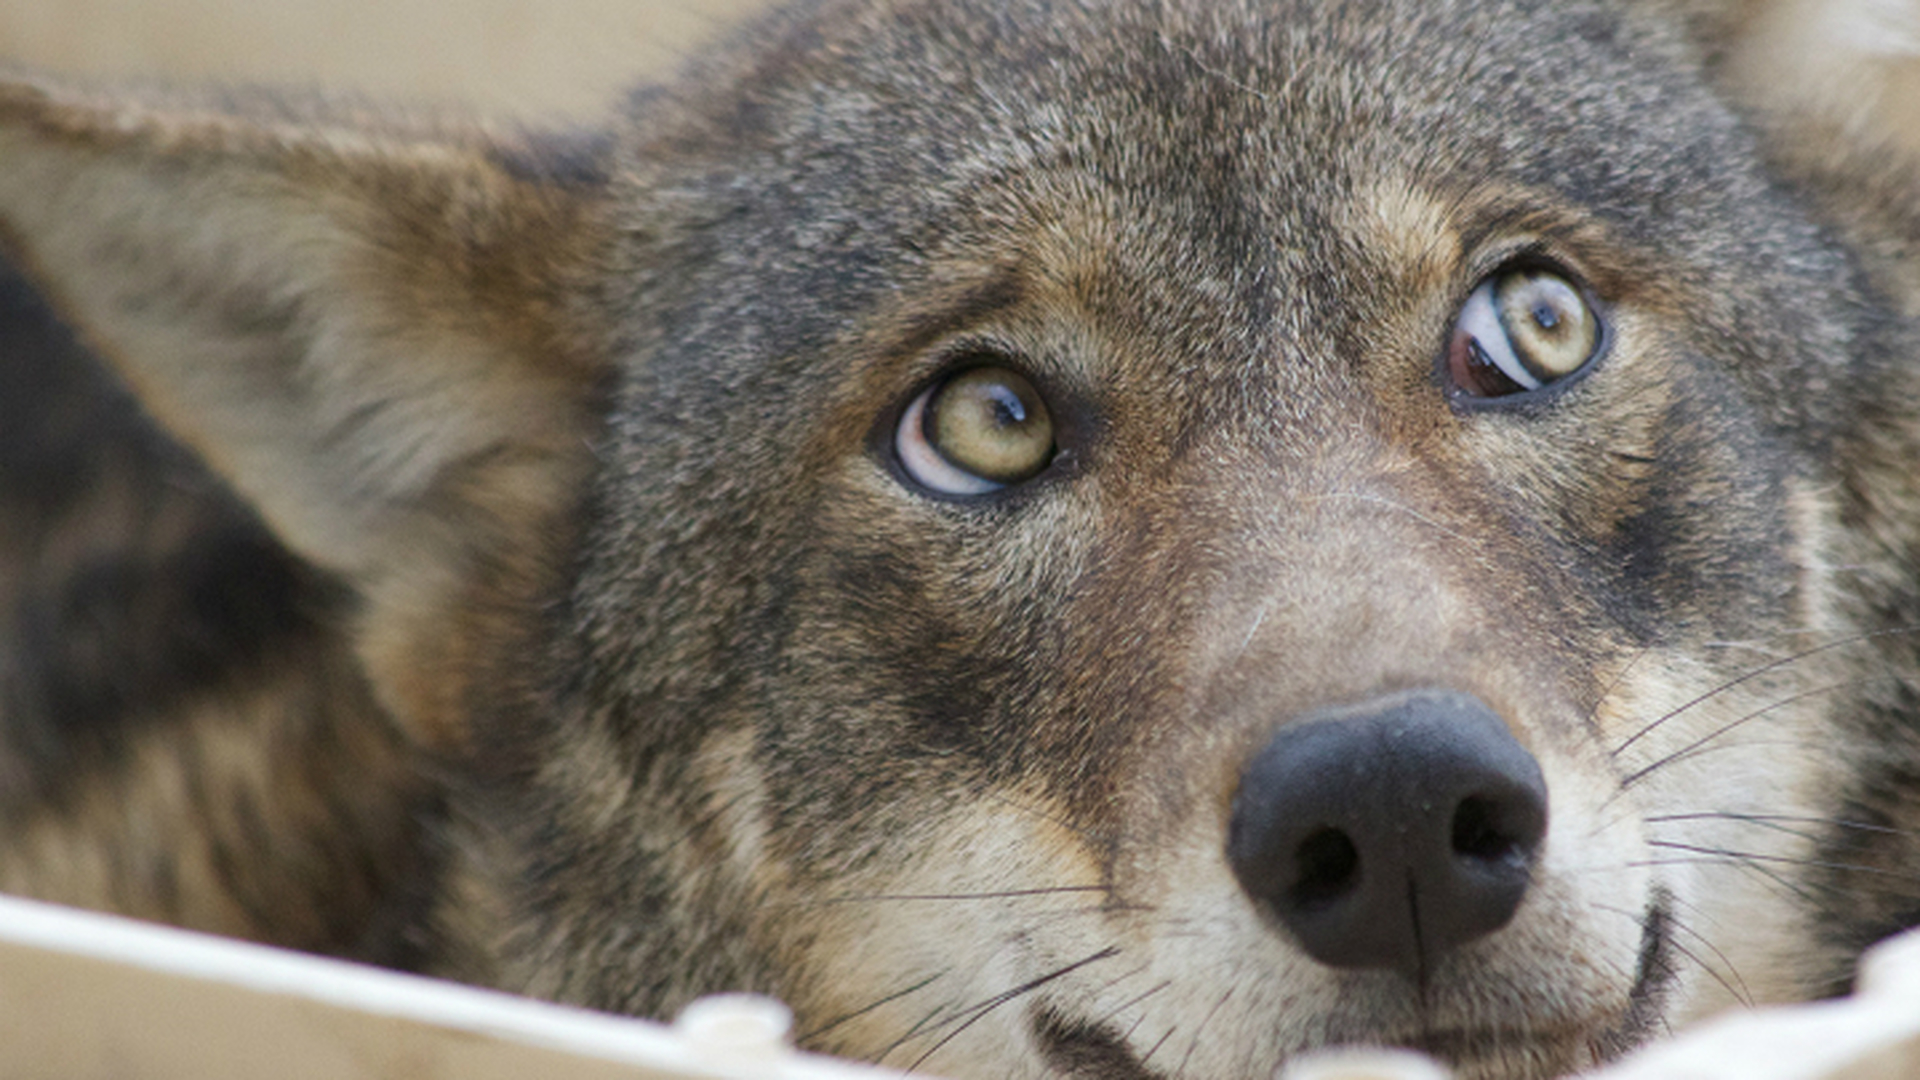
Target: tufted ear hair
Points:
(368, 329)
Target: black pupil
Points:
(1545, 315)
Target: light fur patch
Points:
(1003, 894)
(1856, 62)
(1410, 230)
(1717, 757)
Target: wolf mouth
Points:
(1462, 1047)
(1087, 1051)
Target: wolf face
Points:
(1117, 542)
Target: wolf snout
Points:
(1383, 834)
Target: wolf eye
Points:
(1523, 329)
(975, 432)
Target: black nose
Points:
(1382, 835)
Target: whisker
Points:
(1593, 714)
(992, 895)
(1800, 890)
(1771, 826)
(1051, 818)
(1740, 993)
(1193, 56)
(1745, 864)
(1259, 618)
(1134, 1000)
(980, 1011)
(1157, 1044)
(1781, 821)
(1687, 751)
(1391, 504)
(1785, 860)
(925, 1023)
(1201, 1028)
(1766, 645)
(1767, 642)
(1774, 665)
(1120, 978)
(1000, 894)
(809, 1036)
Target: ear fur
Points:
(1849, 66)
(1833, 90)
(1854, 64)
(365, 328)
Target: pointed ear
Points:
(370, 331)
(1852, 67)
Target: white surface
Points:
(93, 997)
(1874, 1035)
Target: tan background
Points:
(1858, 58)
(524, 57)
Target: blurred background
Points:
(521, 58)
(1856, 59)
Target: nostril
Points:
(1500, 832)
(1326, 868)
(1477, 832)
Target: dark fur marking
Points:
(1653, 978)
(574, 159)
(1079, 1049)
(141, 581)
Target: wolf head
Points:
(1118, 540)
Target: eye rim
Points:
(1526, 400)
(961, 360)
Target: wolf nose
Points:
(1383, 834)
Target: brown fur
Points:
(630, 662)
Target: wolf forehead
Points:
(1286, 156)
(1230, 200)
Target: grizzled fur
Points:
(565, 619)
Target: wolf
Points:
(1125, 539)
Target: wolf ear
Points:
(1850, 66)
(367, 330)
